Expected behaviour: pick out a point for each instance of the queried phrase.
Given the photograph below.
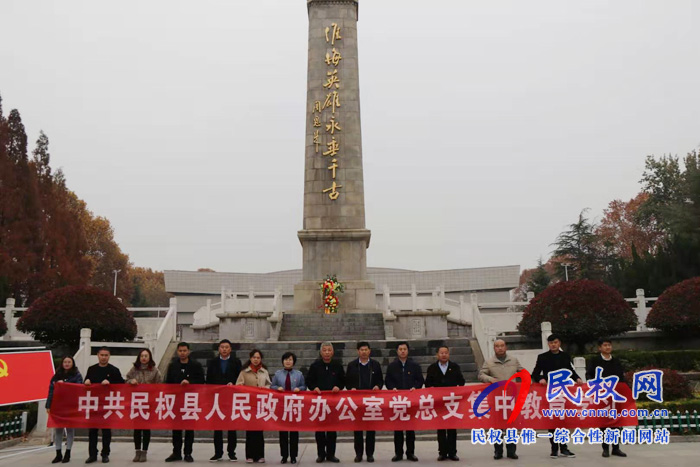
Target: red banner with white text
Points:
(204, 407)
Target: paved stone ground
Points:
(675, 455)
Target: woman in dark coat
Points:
(67, 372)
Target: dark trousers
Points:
(219, 443)
(615, 447)
(410, 443)
(498, 449)
(325, 443)
(556, 447)
(177, 442)
(447, 442)
(138, 435)
(289, 444)
(254, 445)
(360, 445)
(92, 441)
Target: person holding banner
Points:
(144, 371)
(67, 373)
(183, 371)
(611, 366)
(445, 373)
(289, 380)
(224, 370)
(254, 374)
(404, 373)
(547, 362)
(364, 373)
(101, 373)
(326, 374)
(500, 367)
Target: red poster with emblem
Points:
(25, 376)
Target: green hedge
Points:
(672, 406)
(679, 360)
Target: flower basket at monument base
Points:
(330, 289)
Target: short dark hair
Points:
(105, 348)
(603, 340)
(286, 355)
(183, 344)
(363, 344)
(225, 341)
(443, 346)
(553, 337)
(399, 344)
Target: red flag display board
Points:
(25, 376)
(202, 407)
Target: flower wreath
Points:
(330, 288)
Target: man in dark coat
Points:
(444, 373)
(404, 373)
(224, 370)
(547, 362)
(326, 374)
(611, 366)
(364, 373)
(101, 373)
(184, 371)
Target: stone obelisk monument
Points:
(334, 237)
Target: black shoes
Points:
(441, 458)
(566, 453)
(58, 458)
(554, 454)
(232, 457)
(66, 457)
(512, 456)
(333, 459)
(283, 461)
(105, 459)
(370, 458)
(215, 458)
(617, 452)
(91, 459)
(320, 459)
(606, 453)
(358, 458)
(453, 457)
(188, 458)
(293, 460)
(412, 457)
(498, 455)
(173, 457)
(396, 458)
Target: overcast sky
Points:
(487, 126)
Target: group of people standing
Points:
(324, 374)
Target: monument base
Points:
(359, 297)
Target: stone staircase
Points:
(318, 327)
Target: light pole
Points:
(566, 270)
(117, 271)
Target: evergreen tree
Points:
(539, 280)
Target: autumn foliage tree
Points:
(48, 237)
(580, 311)
(58, 316)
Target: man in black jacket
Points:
(364, 373)
(224, 370)
(547, 362)
(445, 373)
(326, 374)
(101, 373)
(611, 366)
(404, 373)
(183, 371)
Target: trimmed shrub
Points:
(58, 316)
(679, 360)
(680, 405)
(677, 311)
(675, 385)
(580, 311)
